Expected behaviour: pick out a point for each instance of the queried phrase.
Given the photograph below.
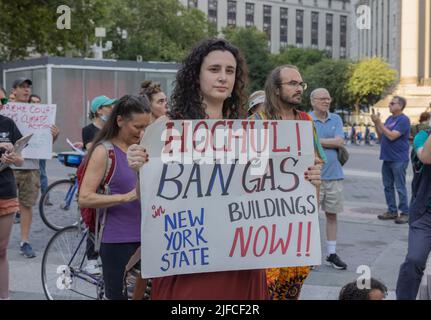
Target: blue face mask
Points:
(104, 118)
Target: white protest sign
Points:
(36, 119)
(251, 208)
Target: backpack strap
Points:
(261, 115)
(318, 149)
(105, 189)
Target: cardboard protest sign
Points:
(227, 195)
(36, 119)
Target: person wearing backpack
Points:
(419, 244)
(100, 110)
(424, 124)
(119, 233)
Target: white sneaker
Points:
(92, 267)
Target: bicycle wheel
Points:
(58, 206)
(63, 262)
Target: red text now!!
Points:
(271, 243)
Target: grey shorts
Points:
(331, 196)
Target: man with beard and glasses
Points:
(283, 91)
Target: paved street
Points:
(362, 238)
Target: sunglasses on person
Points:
(4, 101)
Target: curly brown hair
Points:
(187, 101)
(150, 88)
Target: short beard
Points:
(289, 103)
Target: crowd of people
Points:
(212, 84)
(360, 134)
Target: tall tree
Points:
(162, 30)
(370, 81)
(254, 46)
(302, 58)
(332, 75)
(30, 27)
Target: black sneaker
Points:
(27, 251)
(402, 219)
(335, 261)
(387, 216)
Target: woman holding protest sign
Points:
(209, 85)
(9, 134)
(121, 234)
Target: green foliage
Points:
(253, 45)
(28, 27)
(162, 30)
(158, 30)
(302, 58)
(371, 79)
(332, 75)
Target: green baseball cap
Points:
(101, 101)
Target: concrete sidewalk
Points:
(363, 240)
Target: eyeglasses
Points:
(296, 84)
(4, 101)
(393, 103)
(323, 99)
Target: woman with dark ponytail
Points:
(121, 234)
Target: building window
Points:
(315, 4)
(343, 53)
(329, 3)
(299, 27)
(212, 11)
(329, 32)
(283, 26)
(192, 4)
(249, 14)
(343, 36)
(267, 21)
(314, 29)
(231, 13)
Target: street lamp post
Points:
(99, 49)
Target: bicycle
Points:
(63, 267)
(59, 203)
